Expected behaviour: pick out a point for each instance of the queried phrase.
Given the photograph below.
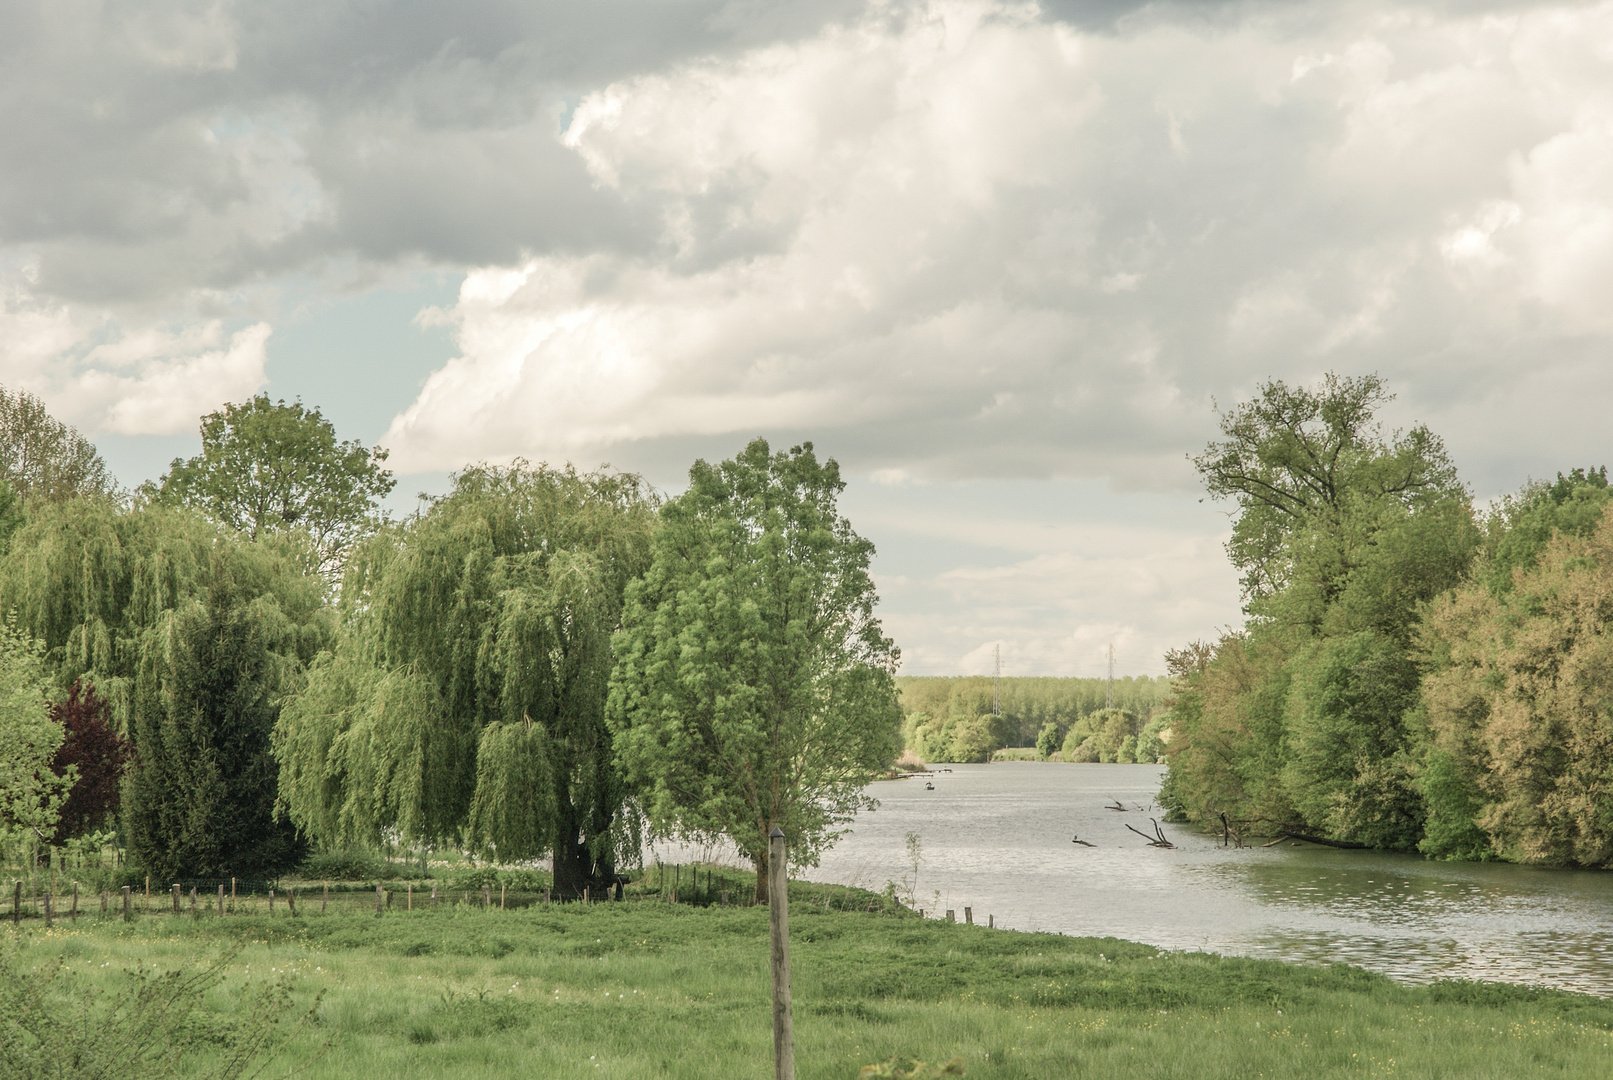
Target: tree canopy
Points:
(42, 458)
(466, 697)
(269, 466)
(753, 683)
(31, 794)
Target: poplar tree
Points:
(42, 458)
(466, 698)
(753, 683)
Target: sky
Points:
(1002, 261)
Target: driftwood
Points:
(1116, 806)
(1323, 840)
(1083, 843)
(1158, 839)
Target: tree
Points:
(97, 755)
(271, 466)
(466, 698)
(42, 458)
(1308, 720)
(30, 793)
(202, 802)
(1298, 461)
(753, 685)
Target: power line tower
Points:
(1111, 687)
(996, 681)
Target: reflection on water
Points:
(998, 839)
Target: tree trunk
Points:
(760, 862)
(574, 865)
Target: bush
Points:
(493, 877)
(349, 864)
(54, 1023)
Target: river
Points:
(997, 838)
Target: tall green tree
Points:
(269, 466)
(202, 801)
(753, 683)
(42, 458)
(1309, 721)
(466, 699)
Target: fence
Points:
(214, 897)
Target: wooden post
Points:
(16, 903)
(378, 899)
(778, 899)
(951, 915)
(487, 896)
(176, 898)
(232, 894)
(148, 892)
(291, 901)
(324, 899)
(725, 898)
(271, 901)
(501, 889)
(969, 915)
(545, 896)
(221, 898)
(585, 896)
(991, 922)
(126, 903)
(75, 901)
(433, 894)
(410, 905)
(105, 902)
(193, 912)
(48, 920)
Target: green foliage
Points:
(1047, 741)
(93, 581)
(1348, 766)
(347, 864)
(267, 467)
(44, 460)
(1517, 706)
(1343, 535)
(1030, 705)
(466, 696)
(1522, 525)
(753, 683)
(12, 515)
(55, 1024)
(31, 794)
(1106, 735)
(201, 803)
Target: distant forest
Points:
(951, 718)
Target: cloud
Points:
(106, 378)
(965, 239)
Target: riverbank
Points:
(646, 990)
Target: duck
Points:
(929, 787)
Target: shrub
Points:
(348, 864)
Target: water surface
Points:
(997, 838)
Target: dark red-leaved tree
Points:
(100, 753)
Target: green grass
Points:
(640, 990)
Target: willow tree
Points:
(90, 580)
(465, 701)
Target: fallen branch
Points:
(1158, 839)
(1324, 841)
(1116, 806)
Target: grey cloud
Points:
(130, 144)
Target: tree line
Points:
(246, 659)
(1415, 673)
(969, 718)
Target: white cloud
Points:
(966, 240)
(101, 376)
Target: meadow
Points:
(650, 989)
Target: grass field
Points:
(648, 989)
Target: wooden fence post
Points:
(378, 899)
(291, 901)
(487, 896)
(193, 911)
(969, 915)
(324, 899)
(221, 898)
(48, 920)
(778, 898)
(991, 922)
(271, 901)
(126, 903)
(410, 905)
(433, 894)
(75, 902)
(176, 898)
(232, 894)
